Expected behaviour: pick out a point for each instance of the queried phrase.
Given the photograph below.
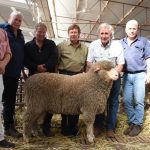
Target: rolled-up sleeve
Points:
(120, 58)
(147, 50)
(4, 44)
(90, 56)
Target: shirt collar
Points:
(69, 43)
(137, 38)
(8, 26)
(44, 42)
(108, 45)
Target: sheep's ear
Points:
(96, 69)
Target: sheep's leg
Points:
(89, 131)
(89, 120)
(30, 119)
(35, 129)
(27, 127)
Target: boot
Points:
(5, 144)
(128, 130)
(136, 130)
(13, 132)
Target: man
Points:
(41, 55)
(12, 71)
(72, 60)
(107, 49)
(136, 74)
(5, 55)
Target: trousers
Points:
(112, 109)
(133, 97)
(9, 100)
(1, 109)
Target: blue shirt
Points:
(13, 69)
(136, 54)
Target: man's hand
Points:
(147, 80)
(2, 67)
(41, 68)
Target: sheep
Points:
(84, 93)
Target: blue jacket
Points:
(13, 69)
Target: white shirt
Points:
(112, 52)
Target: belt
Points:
(134, 72)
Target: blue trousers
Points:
(109, 122)
(133, 97)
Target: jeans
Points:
(9, 100)
(1, 109)
(133, 97)
(112, 109)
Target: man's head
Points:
(74, 33)
(131, 29)
(40, 31)
(15, 20)
(106, 32)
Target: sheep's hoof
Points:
(35, 133)
(91, 141)
(85, 140)
(26, 139)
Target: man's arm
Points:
(53, 58)
(148, 71)
(88, 66)
(119, 68)
(4, 62)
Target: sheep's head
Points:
(106, 67)
(113, 74)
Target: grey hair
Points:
(131, 22)
(107, 26)
(16, 13)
